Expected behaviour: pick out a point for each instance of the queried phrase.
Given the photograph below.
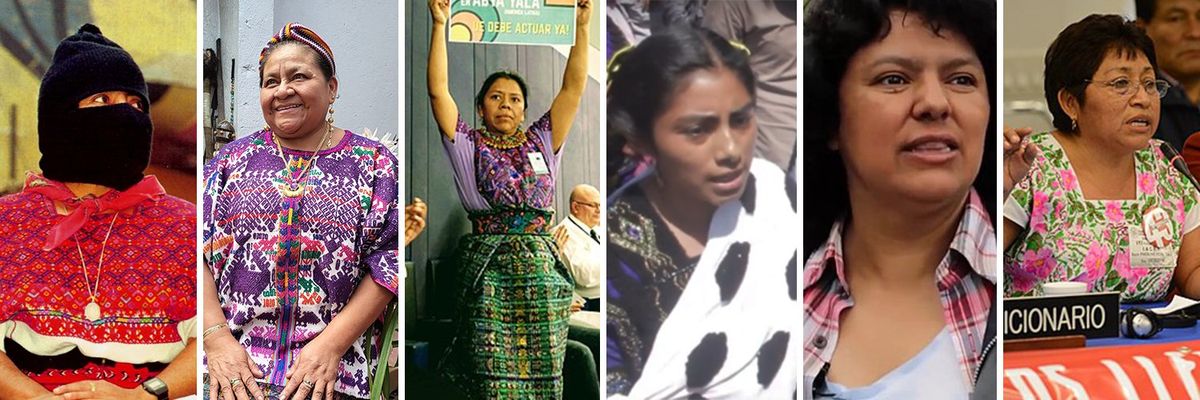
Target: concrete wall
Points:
(427, 171)
(363, 39)
(1029, 27)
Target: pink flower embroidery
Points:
(1094, 263)
(1021, 281)
(1037, 221)
(1068, 179)
(1121, 263)
(1112, 210)
(1040, 263)
(1180, 216)
(1146, 182)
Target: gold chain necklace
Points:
(295, 188)
(92, 310)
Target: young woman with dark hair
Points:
(511, 329)
(698, 276)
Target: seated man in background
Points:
(1170, 25)
(579, 244)
(580, 250)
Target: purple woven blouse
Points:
(284, 267)
(486, 176)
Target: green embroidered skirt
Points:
(511, 326)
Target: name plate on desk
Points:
(1094, 315)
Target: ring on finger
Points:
(308, 384)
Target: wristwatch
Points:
(156, 387)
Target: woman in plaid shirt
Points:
(900, 276)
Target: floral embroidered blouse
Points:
(1103, 243)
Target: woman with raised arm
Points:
(516, 293)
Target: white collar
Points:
(580, 224)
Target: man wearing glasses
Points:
(578, 238)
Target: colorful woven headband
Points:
(299, 33)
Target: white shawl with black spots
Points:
(731, 334)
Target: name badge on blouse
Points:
(1157, 225)
(538, 162)
(1152, 248)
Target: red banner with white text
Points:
(1151, 371)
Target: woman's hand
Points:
(48, 396)
(574, 81)
(230, 372)
(583, 13)
(1018, 156)
(437, 73)
(98, 390)
(414, 220)
(313, 374)
(439, 11)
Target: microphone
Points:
(1177, 161)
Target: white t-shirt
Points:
(921, 377)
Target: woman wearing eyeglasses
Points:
(1099, 203)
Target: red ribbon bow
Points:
(148, 188)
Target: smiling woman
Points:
(298, 88)
(301, 239)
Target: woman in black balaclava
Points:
(98, 145)
(97, 262)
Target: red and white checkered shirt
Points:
(966, 280)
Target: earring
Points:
(1074, 126)
(329, 118)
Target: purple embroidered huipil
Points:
(285, 268)
(486, 177)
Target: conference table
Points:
(1163, 367)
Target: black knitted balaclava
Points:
(107, 145)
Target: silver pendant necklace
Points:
(92, 310)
